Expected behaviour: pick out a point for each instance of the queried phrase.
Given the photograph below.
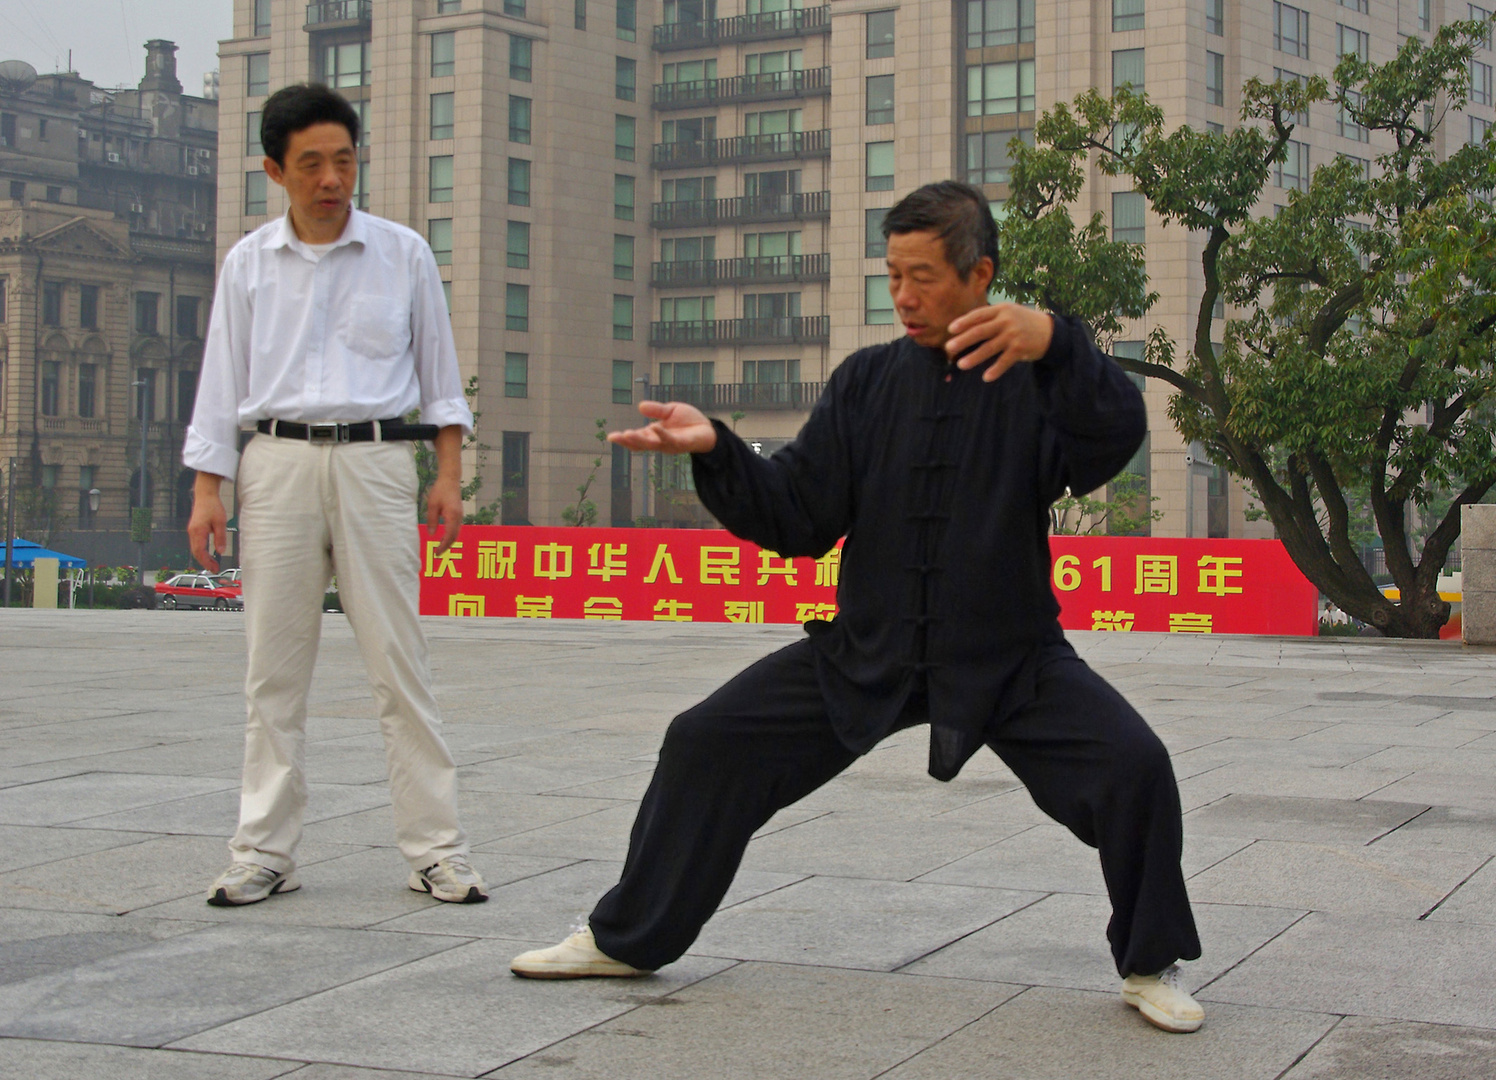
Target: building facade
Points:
(680, 199)
(106, 281)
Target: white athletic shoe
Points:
(578, 957)
(1162, 1002)
(452, 879)
(248, 883)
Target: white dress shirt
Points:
(360, 333)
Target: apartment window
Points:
(186, 394)
(187, 308)
(1480, 83)
(772, 372)
(1215, 78)
(880, 99)
(262, 18)
(147, 305)
(1280, 75)
(17, 187)
(1352, 42)
(623, 257)
(994, 89)
(999, 22)
(623, 385)
(1293, 170)
(1363, 6)
(447, 295)
(515, 8)
(444, 54)
(623, 197)
(1363, 165)
(441, 179)
(361, 189)
(624, 129)
(1424, 19)
(346, 64)
(686, 309)
(519, 119)
(623, 318)
(625, 78)
(1127, 15)
(1291, 30)
(1478, 130)
(88, 381)
(253, 148)
(448, 7)
(52, 303)
(1215, 17)
(88, 307)
(258, 82)
(879, 166)
(628, 20)
(771, 306)
(774, 122)
(520, 51)
(255, 194)
(579, 14)
(989, 155)
(874, 243)
(515, 503)
(3, 283)
(879, 34)
(1129, 217)
(51, 383)
(442, 115)
(1346, 125)
(878, 301)
(1127, 70)
(517, 244)
(1481, 15)
(439, 236)
(519, 182)
(516, 307)
(516, 374)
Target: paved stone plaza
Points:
(1341, 822)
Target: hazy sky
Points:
(108, 37)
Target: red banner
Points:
(697, 575)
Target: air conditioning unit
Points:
(192, 170)
(137, 208)
(113, 156)
(205, 153)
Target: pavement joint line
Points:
(1385, 786)
(1221, 975)
(1394, 828)
(958, 858)
(954, 1031)
(977, 930)
(1222, 859)
(1339, 1019)
(1456, 889)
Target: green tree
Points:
(1360, 371)
(585, 511)
(486, 514)
(1120, 512)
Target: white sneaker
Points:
(578, 957)
(248, 883)
(1162, 1001)
(452, 879)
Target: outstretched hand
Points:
(1005, 334)
(677, 428)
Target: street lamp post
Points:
(93, 508)
(140, 521)
(10, 526)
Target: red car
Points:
(197, 590)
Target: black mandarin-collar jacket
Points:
(941, 484)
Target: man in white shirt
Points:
(328, 325)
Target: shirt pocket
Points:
(378, 326)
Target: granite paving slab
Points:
(1366, 1048)
(37, 1060)
(1275, 817)
(43, 942)
(24, 845)
(74, 798)
(217, 814)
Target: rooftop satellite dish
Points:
(17, 76)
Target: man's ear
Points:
(984, 272)
(274, 171)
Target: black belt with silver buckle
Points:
(365, 431)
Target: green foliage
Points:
(1353, 389)
(426, 467)
(1121, 513)
(585, 511)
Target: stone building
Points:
(106, 279)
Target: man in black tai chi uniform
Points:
(937, 457)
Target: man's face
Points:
(320, 172)
(928, 293)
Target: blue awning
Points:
(28, 552)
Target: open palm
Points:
(677, 428)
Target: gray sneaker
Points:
(453, 879)
(247, 883)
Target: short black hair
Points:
(957, 213)
(297, 107)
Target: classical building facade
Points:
(680, 198)
(106, 280)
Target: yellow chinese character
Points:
(812, 611)
(1214, 570)
(445, 564)
(1158, 574)
(465, 606)
(743, 611)
(719, 565)
(828, 568)
(552, 561)
(603, 607)
(662, 559)
(533, 607)
(1188, 622)
(1112, 620)
(496, 558)
(606, 561)
(672, 611)
(767, 569)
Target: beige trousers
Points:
(305, 512)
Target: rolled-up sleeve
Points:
(440, 376)
(212, 441)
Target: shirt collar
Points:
(284, 236)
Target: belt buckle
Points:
(327, 433)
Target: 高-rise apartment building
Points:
(681, 198)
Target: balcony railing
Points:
(323, 12)
(773, 330)
(758, 270)
(796, 22)
(742, 149)
(725, 397)
(801, 206)
(768, 87)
